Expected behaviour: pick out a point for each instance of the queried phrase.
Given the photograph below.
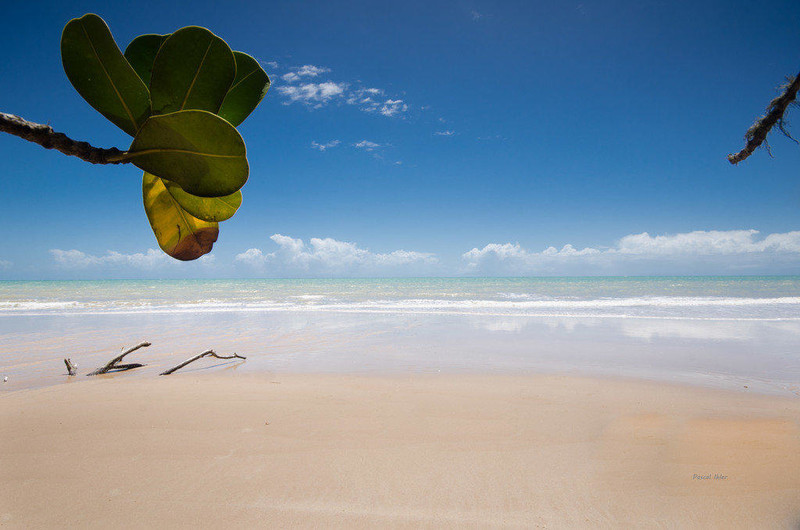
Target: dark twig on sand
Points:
(71, 367)
(112, 364)
(207, 353)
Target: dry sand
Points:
(424, 451)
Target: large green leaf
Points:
(193, 70)
(141, 53)
(102, 75)
(195, 149)
(179, 234)
(206, 208)
(248, 89)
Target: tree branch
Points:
(758, 132)
(45, 136)
(112, 364)
(71, 366)
(207, 353)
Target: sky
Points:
(435, 138)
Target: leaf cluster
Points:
(181, 97)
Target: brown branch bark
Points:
(207, 353)
(112, 364)
(71, 367)
(758, 132)
(123, 367)
(45, 136)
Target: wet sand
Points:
(406, 451)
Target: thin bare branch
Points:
(782, 126)
(71, 367)
(757, 133)
(112, 364)
(207, 353)
(45, 136)
(123, 367)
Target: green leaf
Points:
(195, 149)
(193, 70)
(141, 53)
(102, 75)
(179, 234)
(206, 208)
(248, 89)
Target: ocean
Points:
(731, 332)
(735, 298)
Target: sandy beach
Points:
(375, 404)
(234, 450)
(468, 265)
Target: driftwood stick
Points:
(71, 367)
(45, 136)
(207, 353)
(112, 364)
(757, 133)
(123, 367)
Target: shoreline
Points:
(407, 450)
(399, 313)
(717, 354)
(228, 369)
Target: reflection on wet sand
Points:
(761, 354)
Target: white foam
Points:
(661, 306)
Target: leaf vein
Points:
(100, 62)
(183, 215)
(254, 70)
(134, 154)
(196, 75)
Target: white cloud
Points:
(374, 100)
(251, 256)
(75, 259)
(710, 242)
(326, 145)
(313, 94)
(272, 64)
(317, 95)
(367, 99)
(149, 260)
(332, 257)
(475, 15)
(698, 252)
(393, 107)
(444, 133)
(363, 145)
(308, 70)
(5, 264)
(366, 145)
(715, 252)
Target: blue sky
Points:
(493, 132)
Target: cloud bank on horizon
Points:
(150, 260)
(714, 252)
(328, 257)
(698, 252)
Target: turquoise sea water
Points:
(672, 297)
(713, 331)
